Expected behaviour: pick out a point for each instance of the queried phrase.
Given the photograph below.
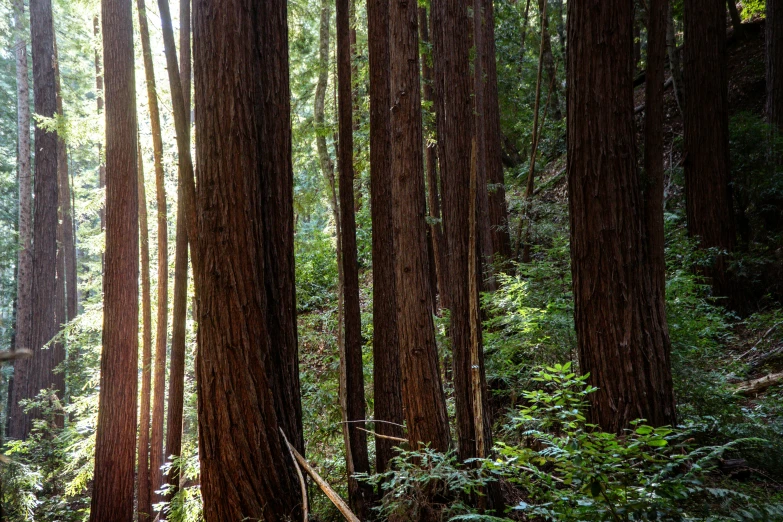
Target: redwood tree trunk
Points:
(621, 332)
(357, 461)
(24, 281)
(422, 391)
(451, 51)
(386, 347)
(774, 42)
(180, 305)
(156, 442)
(707, 177)
(247, 330)
(145, 486)
(44, 288)
(115, 440)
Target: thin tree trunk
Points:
(674, 61)
(174, 424)
(736, 20)
(44, 288)
(498, 211)
(144, 485)
(431, 165)
(158, 399)
(386, 347)
(99, 104)
(653, 146)
(621, 334)
(450, 24)
(422, 391)
(24, 267)
(246, 390)
(115, 440)
(523, 38)
(549, 62)
(774, 42)
(358, 461)
(707, 176)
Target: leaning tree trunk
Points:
(180, 304)
(24, 267)
(356, 448)
(422, 392)
(774, 41)
(247, 365)
(707, 176)
(44, 287)
(621, 332)
(386, 347)
(674, 61)
(158, 400)
(451, 51)
(115, 439)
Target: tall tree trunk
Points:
(422, 392)
(736, 20)
(247, 357)
(549, 62)
(523, 38)
(431, 165)
(674, 60)
(498, 211)
(24, 274)
(480, 160)
(386, 346)
(44, 289)
(621, 333)
(180, 304)
(653, 146)
(115, 440)
(450, 24)
(156, 441)
(774, 41)
(356, 449)
(99, 103)
(145, 487)
(707, 176)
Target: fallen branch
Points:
(757, 386)
(302, 484)
(388, 437)
(338, 502)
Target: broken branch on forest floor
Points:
(756, 386)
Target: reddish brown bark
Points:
(247, 330)
(144, 485)
(386, 348)
(707, 176)
(115, 442)
(422, 391)
(621, 332)
(24, 268)
(174, 423)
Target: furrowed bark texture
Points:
(144, 486)
(157, 457)
(653, 145)
(498, 211)
(386, 347)
(24, 274)
(451, 51)
(115, 441)
(707, 177)
(621, 333)
(354, 377)
(247, 364)
(422, 391)
(774, 41)
(174, 422)
(44, 287)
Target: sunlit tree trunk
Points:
(115, 441)
(386, 347)
(422, 391)
(621, 331)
